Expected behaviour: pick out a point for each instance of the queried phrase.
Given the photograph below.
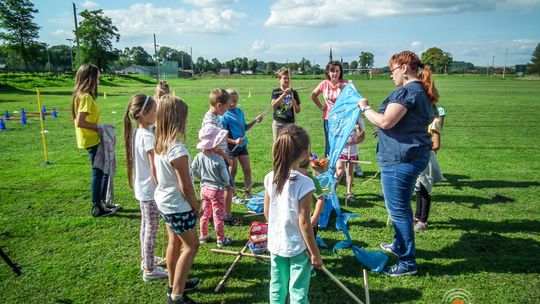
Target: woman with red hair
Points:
(403, 149)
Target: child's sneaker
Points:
(204, 239)
(100, 211)
(161, 262)
(400, 270)
(183, 300)
(225, 242)
(388, 248)
(351, 198)
(156, 274)
(237, 200)
(420, 226)
(190, 285)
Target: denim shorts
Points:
(238, 152)
(180, 222)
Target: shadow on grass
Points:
(485, 249)
(458, 181)
(476, 201)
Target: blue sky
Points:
(287, 30)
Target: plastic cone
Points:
(2, 125)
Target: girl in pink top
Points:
(330, 88)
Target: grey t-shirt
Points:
(211, 169)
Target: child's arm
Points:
(81, 122)
(319, 205)
(436, 141)
(257, 119)
(266, 205)
(306, 229)
(235, 141)
(315, 98)
(277, 101)
(181, 168)
(195, 167)
(296, 105)
(152, 165)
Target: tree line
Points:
(96, 33)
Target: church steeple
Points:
(330, 56)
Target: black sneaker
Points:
(190, 285)
(111, 206)
(98, 212)
(183, 300)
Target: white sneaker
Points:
(204, 239)
(157, 274)
(237, 200)
(226, 242)
(161, 262)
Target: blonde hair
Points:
(86, 82)
(138, 104)
(410, 59)
(282, 72)
(162, 89)
(171, 119)
(288, 147)
(232, 92)
(218, 96)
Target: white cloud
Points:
(89, 4)
(417, 46)
(62, 33)
(141, 20)
(211, 3)
(258, 45)
(310, 13)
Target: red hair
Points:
(410, 59)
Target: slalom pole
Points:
(43, 136)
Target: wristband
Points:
(365, 109)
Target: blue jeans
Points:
(398, 183)
(99, 182)
(326, 144)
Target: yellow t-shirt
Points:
(87, 138)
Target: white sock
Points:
(175, 297)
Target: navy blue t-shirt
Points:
(408, 139)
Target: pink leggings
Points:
(213, 201)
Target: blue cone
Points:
(6, 115)
(23, 117)
(22, 111)
(54, 113)
(2, 125)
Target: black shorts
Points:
(180, 222)
(238, 152)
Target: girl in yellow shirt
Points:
(85, 115)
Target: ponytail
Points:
(288, 147)
(429, 85)
(409, 58)
(128, 142)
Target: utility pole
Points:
(505, 55)
(493, 65)
(70, 52)
(48, 57)
(76, 31)
(191, 54)
(157, 58)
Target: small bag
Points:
(258, 238)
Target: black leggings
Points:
(423, 203)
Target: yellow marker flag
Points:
(104, 95)
(249, 94)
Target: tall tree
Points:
(354, 64)
(366, 60)
(96, 32)
(216, 65)
(139, 56)
(60, 56)
(439, 60)
(253, 64)
(534, 67)
(21, 32)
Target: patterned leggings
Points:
(149, 228)
(213, 206)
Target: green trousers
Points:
(289, 276)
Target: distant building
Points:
(225, 72)
(140, 70)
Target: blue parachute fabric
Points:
(326, 212)
(255, 203)
(320, 242)
(374, 260)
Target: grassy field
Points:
(484, 234)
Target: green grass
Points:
(484, 233)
